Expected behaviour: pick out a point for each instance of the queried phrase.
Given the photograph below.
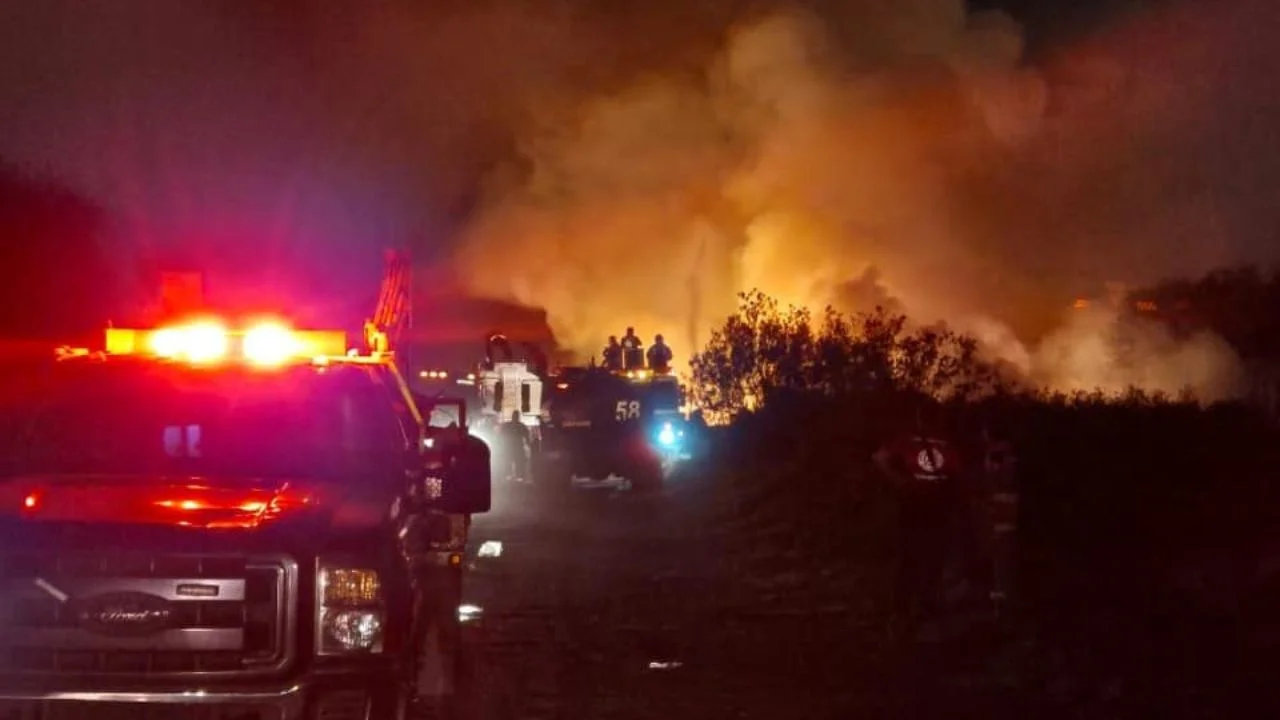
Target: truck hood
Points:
(197, 503)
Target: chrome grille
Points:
(215, 615)
(64, 710)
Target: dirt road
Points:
(608, 607)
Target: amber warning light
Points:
(204, 342)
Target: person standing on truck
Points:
(515, 441)
(632, 350)
(659, 356)
(613, 354)
(924, 467)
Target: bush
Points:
(762, 352)
(1134, 507)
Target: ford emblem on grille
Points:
(126, 614)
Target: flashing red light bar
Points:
(209, 341)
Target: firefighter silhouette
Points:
(632, 351)
(924, 465)
(515, 438)
(659, 356)
(613, 354)
(1000, 490)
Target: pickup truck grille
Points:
(61, 710)
(121, 614)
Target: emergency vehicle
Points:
(586, 423)
(506, 385)
(601, 423)
(210, 519)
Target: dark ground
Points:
(623, 607)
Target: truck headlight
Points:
(349, 610)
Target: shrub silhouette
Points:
(1143, 515)
(763, 351)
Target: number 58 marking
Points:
(627, 410)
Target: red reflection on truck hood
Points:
(185, 502)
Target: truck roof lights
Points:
(202, 342)
(265, 344)
(270, 344)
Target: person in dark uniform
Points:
(613, 354)
(923, 464)
(659, 356)
(999, 499)
(515, 441)
(632, 351)
(452, 433)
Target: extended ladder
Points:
(393, 314)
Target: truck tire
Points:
(437, 682)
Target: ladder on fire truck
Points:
(393, 314)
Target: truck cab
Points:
(507, 389)
(205, 522)
(508, 386)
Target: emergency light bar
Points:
(646, 374)
(210, 341)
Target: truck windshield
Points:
(208, 424)
(664, 396)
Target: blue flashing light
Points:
(667, 436)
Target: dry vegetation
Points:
(1145, 517)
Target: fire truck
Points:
(585, 423)
(602, 423)
(213, 518)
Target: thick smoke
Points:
(1099, 348)
(905, 156)
(785, 168)
(667, 156)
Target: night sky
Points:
(297, 137)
